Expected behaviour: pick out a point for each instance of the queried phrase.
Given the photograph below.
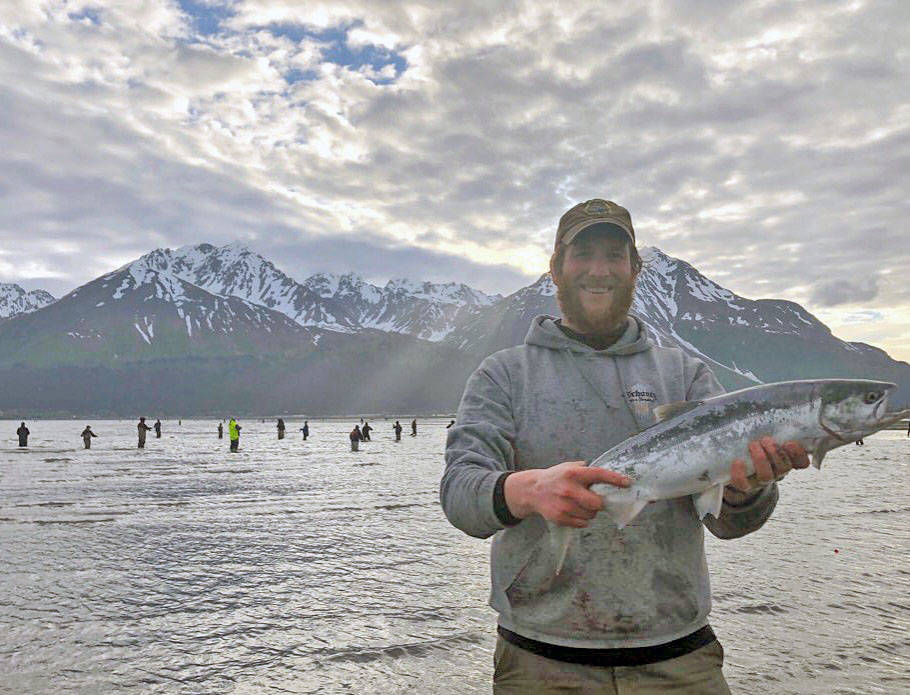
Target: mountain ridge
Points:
(236, 316)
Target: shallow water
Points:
(301, 567)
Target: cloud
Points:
(864, 317)
(764, 142)
(828, 293)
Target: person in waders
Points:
(365, 430)
(87, 435)
(397, 427)
(414, 427)
(157, 427)
(356, 437)
(23, 434)
(281, 428)
(234, 434)
(220, 431)
(142, 428)
(628, 612)
(305, 430)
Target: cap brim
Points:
(570, 235)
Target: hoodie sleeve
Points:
(478, 452)
(739, 521)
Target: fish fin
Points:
(561, 537)
(668, 410)
(710, 501)
(624, 511)
(818, 453)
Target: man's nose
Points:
(599, 266)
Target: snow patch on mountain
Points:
(336, 302)
(15, 300)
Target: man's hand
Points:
(771, 461)
(560, 493)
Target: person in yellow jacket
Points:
(234, 434)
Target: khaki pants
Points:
(520, 672)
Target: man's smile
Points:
(597, 289)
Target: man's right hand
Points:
(560, 493)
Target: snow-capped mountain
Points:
(143, 337)
(144, 311)
(336, 302)
(15, 300)
(200, 328)
(744, 337)
(506, 323)
(744, 341)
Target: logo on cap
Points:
(599, 207)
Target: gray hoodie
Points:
(554, 399)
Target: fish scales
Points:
(690, 452)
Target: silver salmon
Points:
(690, 449)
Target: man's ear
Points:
(553, 269)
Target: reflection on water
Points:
(302, 567)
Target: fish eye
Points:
(871, 397)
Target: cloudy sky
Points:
(767, 143)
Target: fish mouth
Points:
(880, 423)
(892, 417)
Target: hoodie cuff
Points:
(736, 522)
(500, 508)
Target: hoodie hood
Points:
(544, 332)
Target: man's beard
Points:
(600, 323)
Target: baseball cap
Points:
(591, 212)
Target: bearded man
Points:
(628, 612)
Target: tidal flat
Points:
(302, 567)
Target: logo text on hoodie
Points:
(641, 398)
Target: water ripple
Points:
(297, 567)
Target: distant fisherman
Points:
(397, 427)
(234, 434)
(220, 431)
(414, 427)
(157, 426)
(305, 430)
(366, 429)
(87, 435)
(23, 434)
(356, 437)
(143, 428)
(281, 428)
(628, 613)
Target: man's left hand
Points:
(771, 461)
